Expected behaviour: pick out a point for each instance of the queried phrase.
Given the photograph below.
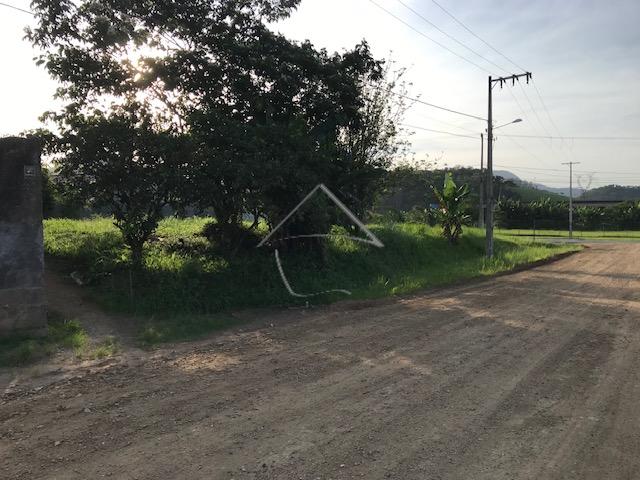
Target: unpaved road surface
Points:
(534, 375)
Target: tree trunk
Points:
(137, 254)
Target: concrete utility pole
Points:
(489, 176)
(481, 196)
(571, 164)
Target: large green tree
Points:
(259, 119)
(132, 74)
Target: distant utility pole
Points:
(481, 199)
(571, 164)
(489, 176)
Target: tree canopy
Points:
(199, 102)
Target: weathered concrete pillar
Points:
(22, 302)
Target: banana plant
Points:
(452, 212)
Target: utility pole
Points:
(489, 176)
(481, 196)
(571, 164)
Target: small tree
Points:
(120, 162)
(452, 215)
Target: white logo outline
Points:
(370, 240)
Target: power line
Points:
(544, 105)
(608, 172)
(550, 137)
(524, 114)
(531, 168)
(553, 123)
(419, 32)
(595, 184)
(514, 64)
(417, 100)
(533, 109)
(459, 22)
(448, 124)
(593, 172)
(429, 22)
(596, 178)
(439, 131)
(533, 155)
(2, 4)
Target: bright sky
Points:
(584, 56)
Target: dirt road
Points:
(534, 375)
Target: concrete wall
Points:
(22, 302)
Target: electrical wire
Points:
(526, 116)
(533, 109)
(417, 100)
(544, 106)
(580, 172)
(459, 22)
(429, 22)
(469, 30)
(448, 124)
(550, 137)
(419, 32)
(439, 131)
(553, 123)
(533, 155)
(531, 168)
(528, 99)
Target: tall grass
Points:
(62, 334)
(184, 274)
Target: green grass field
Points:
(187, 286)
(564, 233)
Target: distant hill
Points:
(558, 192)
(612, 192)
(529, 191)
(507, 175)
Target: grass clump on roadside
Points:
(106, 348)
(187, 284)
(61, 334)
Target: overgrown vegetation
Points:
(187, 285)
(547, 215)
(16, 351)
